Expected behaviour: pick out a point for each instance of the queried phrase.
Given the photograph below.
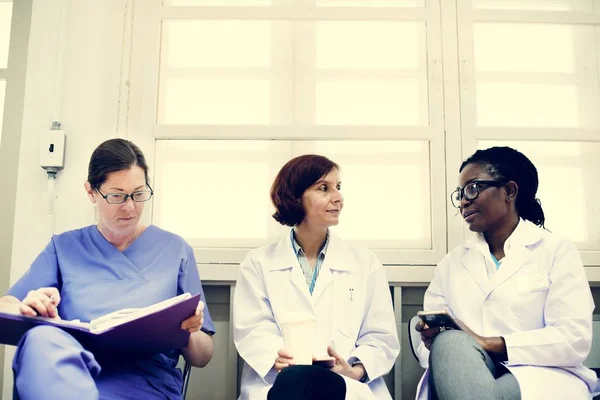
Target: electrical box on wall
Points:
(52, 149)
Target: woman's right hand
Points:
(427, 333)
(42, 302)
(284, 359)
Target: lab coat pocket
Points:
(349, 331)
(351, 313)
(348, 326)
(532, 283)
(528, 305)
(344, 342)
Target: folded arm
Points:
(199, 350)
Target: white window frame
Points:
(145, 67)
(452, 132)
(471, 133)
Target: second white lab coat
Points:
(351, 303)
(539, 301)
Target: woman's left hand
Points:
(194, 323)
(343, 368)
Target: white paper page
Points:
(129, 314)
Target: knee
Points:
(43, 336)
(308, 382)
(451, 342)
(34, 344)
(291, 377)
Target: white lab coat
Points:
(539, 301)
(351, 303)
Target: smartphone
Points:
(437, 318)
(327, 363)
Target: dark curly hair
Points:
(508, 164)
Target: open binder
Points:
(142, 331)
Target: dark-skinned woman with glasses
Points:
(86, 273)
(518, 292)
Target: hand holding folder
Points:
(143, 331)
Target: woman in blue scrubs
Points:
(86, 273)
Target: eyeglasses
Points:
(471, 191)
(119, 198)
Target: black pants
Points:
(307, 382)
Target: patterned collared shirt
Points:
(309, 273)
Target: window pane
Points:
(2, 93)
(370, 102)
(370, 3)
(5, 19)
(567, 172)
(386, 188)
(216, 193)
(241, 44)
(536, 75)
(349, 45)
(216, 101)
(359, 83)
(247, 77)
(517, 47)
(239, 79)
(543, 5)
(528, 105)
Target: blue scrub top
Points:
(95, 278)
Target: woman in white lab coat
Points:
(518, 292)
(311, 271)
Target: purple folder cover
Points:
(153, 333)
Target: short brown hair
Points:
(291, 182)
(114, 155)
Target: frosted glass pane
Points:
(370, 3)
(567, 172)
(358, 83)
(371, 102)
(528, 105)
(386, 189)
(350, 45)
(242, 78)
(242, 44)
(216, 101)
(530, 47)
(536, 75)
(216, 193)
(542, 5)
(2, 94)
(5, 22)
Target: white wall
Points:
(73, 75)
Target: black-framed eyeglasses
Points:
(119, 198)
(471, 191)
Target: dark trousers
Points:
(307, 382)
